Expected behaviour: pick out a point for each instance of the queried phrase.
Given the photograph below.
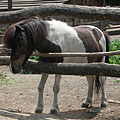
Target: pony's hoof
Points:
(54, 111)
(104, 105)
(85, 105)
(38, 111)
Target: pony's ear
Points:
(19, 28)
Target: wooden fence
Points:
(9, 5)
(101, 69)
(67, 68)
(4, 18)
(6, 52)
(70, 11)
(75, 11)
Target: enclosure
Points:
(18, 96)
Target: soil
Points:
(18, 99)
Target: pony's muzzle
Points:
(15, 69)
(16, 65)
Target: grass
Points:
(5, 79)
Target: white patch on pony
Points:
(67, 38)
(102, 42)
(103, 45)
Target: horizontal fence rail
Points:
(76, 11)
(102, 69)
(96, 54)
(5, 51)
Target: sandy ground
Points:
(18, 100)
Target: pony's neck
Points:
(39, 35)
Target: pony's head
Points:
(15, 38)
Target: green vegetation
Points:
(114, 46)
(4, 79)
(118, 81)
(35, 58)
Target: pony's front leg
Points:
(39, 108)
(88, 101)
(56, 87)
(104, 99)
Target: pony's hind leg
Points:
(56, 88)
(104, 99)
(88, 101)
(39, 108)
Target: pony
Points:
(55, 37)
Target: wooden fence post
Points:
(9, 5)
(103, 25)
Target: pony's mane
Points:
(34, 29)
(36, 32)
(8, 35)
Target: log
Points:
(5, 51)
(102, 69)
(78, 54)
(85, 12)
(4, 60)
(113, 32)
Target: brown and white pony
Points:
(51, 37)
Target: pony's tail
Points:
(97, 82)
(107, 46)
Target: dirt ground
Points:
(19, 99)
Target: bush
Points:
(114, 46)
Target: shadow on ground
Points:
(72, 114)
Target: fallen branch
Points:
(102, 69)
(94, 13)
(113, 101)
